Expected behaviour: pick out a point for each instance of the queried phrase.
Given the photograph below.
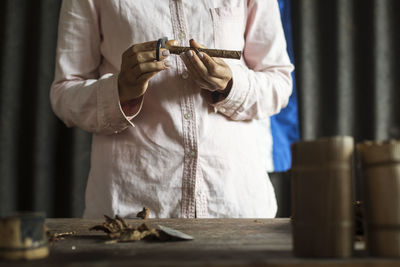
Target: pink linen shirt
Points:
(179, 154)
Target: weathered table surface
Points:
(218, 242)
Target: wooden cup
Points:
(322, 197)
(380, 173)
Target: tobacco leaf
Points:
(136, 235)
(143, 227)
(118, 229)
(113, 227)
(100, 228)
(124, 223)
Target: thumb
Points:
(171, 43)
(194, 44)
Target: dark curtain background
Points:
(43, 165)
(347, 69)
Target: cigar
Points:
(211, 52)
(163, 43)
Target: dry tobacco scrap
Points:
(113, 227)
(53, 237)
(144, 214)
(118, 229)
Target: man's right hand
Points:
(138, 66)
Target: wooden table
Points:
(218, 242)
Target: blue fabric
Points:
(285, 125)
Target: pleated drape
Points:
(347, 67)
(43, 165)
(347, 71)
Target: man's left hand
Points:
(208, 73)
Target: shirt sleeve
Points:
(79, 97)
(262, 80)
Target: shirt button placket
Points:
(189, 116)
(181, 36)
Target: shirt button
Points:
(185, 75)
(222, 109)
(181, 35)
(116, 132)
(192, 154)
(188, 116)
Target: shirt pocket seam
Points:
(226, 12)
(223, 16)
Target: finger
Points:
(201, 68)
(171, 43)
(189, 67)
(145, 78)
(147, 67)
(193, 43)
(144, 56)
(215, 69)
(200, 82)
(215, 83)
(196, 63)
(206, 85)
(196, 76)
(141, 85)
(147, 46)
(219, 61)
(203, 85)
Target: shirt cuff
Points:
(131, 108)
(232, 104)
(110, 114)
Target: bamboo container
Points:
(322, 197)
(22, 236)
(380, 172)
